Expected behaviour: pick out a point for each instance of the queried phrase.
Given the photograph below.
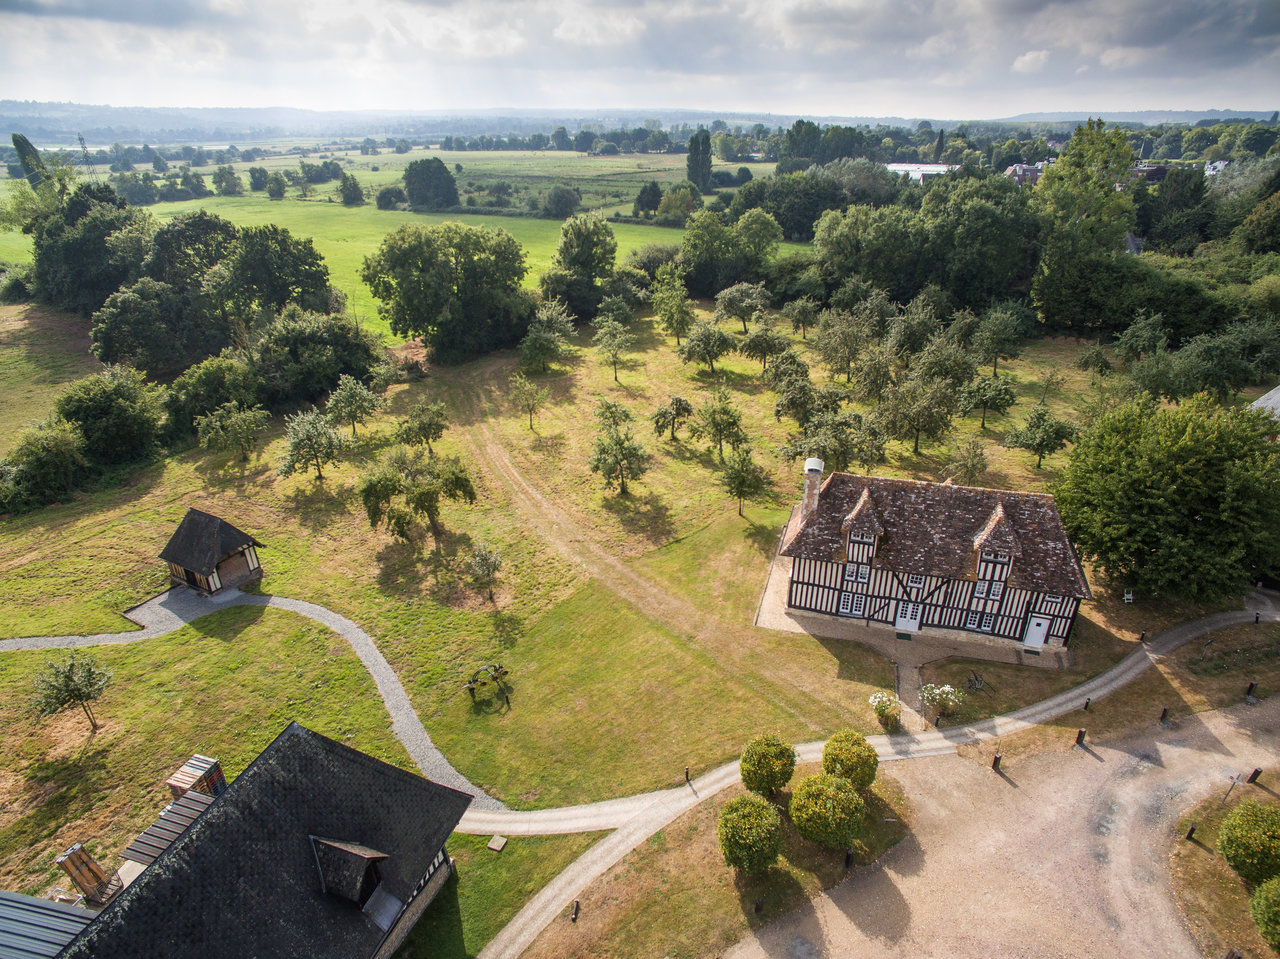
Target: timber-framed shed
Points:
(209, 554)
(918, 555)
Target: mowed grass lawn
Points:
(224, 686)
(41, 350)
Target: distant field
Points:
(346, 235)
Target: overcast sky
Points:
(914, 58)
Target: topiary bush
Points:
(1249, 840)
(767, 764)
(849, 756)
(1264, 905)
(750, 833)
(827, 810)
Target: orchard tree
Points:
(526, 396)
(762, 344)
(918, 408)
(998, 336)
(803, 313)
(612, 342)
(719, 422)
(75, 680)
(485, 565)
(742, 477)
(967, 463)
(547, 339)
(839, 342)
(312, 442)
(425, 423)
(1042, 434)
(988, 393)
(742, 302)
(749, 831)
(706, 344)
(767, 764)
(617, 457)
(352, 402)
(1178, 501)
(671, 415)
(408, 485)
(232, 427)
(671, 302)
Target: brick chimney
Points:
(812, 484)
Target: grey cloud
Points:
(157, 13)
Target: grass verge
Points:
(674, 896)
(487, 890)
(1212, 897)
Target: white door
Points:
(908, 618)
(1037, 630)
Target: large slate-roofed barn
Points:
(315, 851)
(919, 555)
(209, 554)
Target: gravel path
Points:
(1065, 855)
(179, 606)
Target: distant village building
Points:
(1027, 174)
(209, 554)
(917, 555)
(315, 850)
(921, 171)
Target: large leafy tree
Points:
(428, 183)
(698, 161)
(269, 268)
(457, 287)
(583, 260)
(1176, 501)
(75, 267)
(117, 412)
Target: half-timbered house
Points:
(209, 554)
(916, 555)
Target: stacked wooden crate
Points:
(201, 773)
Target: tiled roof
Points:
(202, 541)
(1269, 402)
(931, 528)
(242, 881)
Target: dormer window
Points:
(861, 540)
(915, 580)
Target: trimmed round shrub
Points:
(767, 764)
(750, 833)
(1249, 840)
(848, 755)
(1264, 905)
(827, 810)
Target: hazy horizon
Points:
(987, 59)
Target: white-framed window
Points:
(972, 621)
(862, 540)
(1002, 557)
(980, 589)
(857, 572)
(988, 620)
(915, 580)
(852, 604)
(1052, 598)
(846, 603)
(997, 589)
(859, 605)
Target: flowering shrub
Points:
(887, 709)
(849, 756)
(945, 699)
(767, 764)
(750, 833)
(1249, 841)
